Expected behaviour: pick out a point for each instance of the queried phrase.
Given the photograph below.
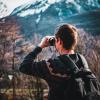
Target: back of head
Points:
(68, 34)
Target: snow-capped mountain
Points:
(42, 16)
(31, 7)
(59, 7)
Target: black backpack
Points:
(83, 85)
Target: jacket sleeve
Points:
(31, 67)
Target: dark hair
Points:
(68, 34)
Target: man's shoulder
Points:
(60, 64)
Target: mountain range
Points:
(42, 17)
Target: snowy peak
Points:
(31, 7)
(61, 6)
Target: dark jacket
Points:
(55, 71)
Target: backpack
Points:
(83, 85)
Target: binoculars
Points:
(52, 41)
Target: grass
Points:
(21, 91)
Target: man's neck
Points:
(67, 52)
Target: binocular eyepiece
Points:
(52, 41)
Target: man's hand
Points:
(45, 42)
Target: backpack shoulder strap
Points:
(79, 72)
(83, 61)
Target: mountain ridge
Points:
(45, 21)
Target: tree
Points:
(9, 30)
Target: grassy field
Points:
(20, 93)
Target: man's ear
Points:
(60, 42)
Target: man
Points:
(56, 71)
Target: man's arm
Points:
(30, 67)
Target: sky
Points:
(12, 4)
